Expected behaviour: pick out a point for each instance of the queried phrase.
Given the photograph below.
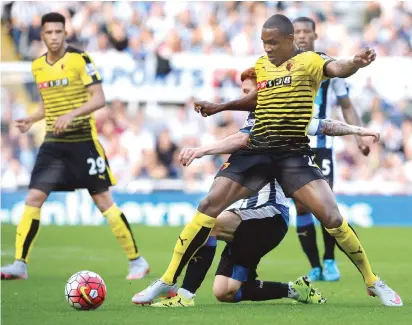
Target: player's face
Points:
(305, 36)
(53, 34)
(248, 85)
(275, 44)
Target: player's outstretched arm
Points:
(96, 101)
(247, 103)
(338, 128)
(352, 117)
(228, 145)
(344, 68)
(24, 124)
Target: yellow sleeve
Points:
(258, 67)
(34, 68)
(316, 63)
(88, 71)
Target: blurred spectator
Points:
(144, 143)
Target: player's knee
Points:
(224, 294)
(36, 198)
(103, 200)
(209, 206)
(334, 219)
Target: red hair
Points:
(248, 74)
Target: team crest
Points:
(225, 165)
(290, 66)
(62, 66)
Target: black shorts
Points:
(324, 160)
(254, 170)
(66, 166)
(253, 239)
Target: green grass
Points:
(62, 251)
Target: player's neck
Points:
(53, 57)
(280, 59)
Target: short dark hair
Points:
(280, 22)
(306, 20)
(53, 17)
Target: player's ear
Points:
(316, 36)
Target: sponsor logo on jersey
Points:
(282, 81)
(53, 83)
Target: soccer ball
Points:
(85, 290)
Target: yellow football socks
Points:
(26, 233)
(350, 244)
(193, 236)
(121, 229)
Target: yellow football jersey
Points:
(285, 100)
(63, 88)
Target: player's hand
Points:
(187, 155)
(365, 57)
(206, 108)
(364, 148)
(62, 123)
(23, 124)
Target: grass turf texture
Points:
(62, 251)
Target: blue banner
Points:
(176, 208)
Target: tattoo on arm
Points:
(338, 128)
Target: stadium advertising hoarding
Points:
(175, 208)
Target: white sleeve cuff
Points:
(314, 126)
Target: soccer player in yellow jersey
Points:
(71, 156)
(287, 82)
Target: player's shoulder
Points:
(39, 62)
(79, 56)
(261, 60)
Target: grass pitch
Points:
(62, 251)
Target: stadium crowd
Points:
(143, 149)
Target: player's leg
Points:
(225, 227)
(305, 228)
(236, 275)
(48, 174)
(243, 175)
(26, 234)
(222, 194)
(138, 266)
(319, 198)
(325, 160)
(92, 170)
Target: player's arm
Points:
(227, 145)
(344, 68)
(352, 117)
(91, 79)
(96, 101)
(337, 128)
(24, 124)
(247, 103)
